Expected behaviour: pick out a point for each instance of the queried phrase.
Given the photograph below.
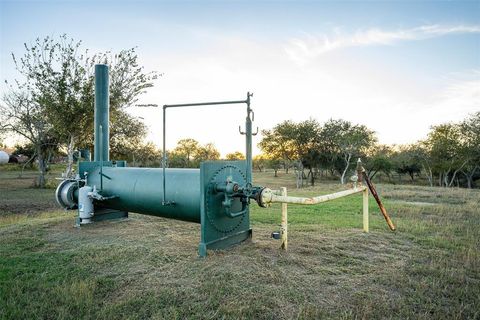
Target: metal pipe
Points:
(101, 114)
(203, 104)
(248, 138)
(271, 196)
(101, 158)
(164, 157)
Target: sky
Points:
(397, 67)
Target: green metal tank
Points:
(140, 190)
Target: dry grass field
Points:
(146, 267)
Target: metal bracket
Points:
(244, 133)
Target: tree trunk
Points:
(469, 181)
(445, 178)
(275, 170)
(428, 173)
(455, 173)
(312, 177)
(298, 177)
(469, 176)
(412, 176)
(42, 168)
(348, 157)
(70, 151)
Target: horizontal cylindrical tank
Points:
(140, 190)
(4, 157)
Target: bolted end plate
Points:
(218, 231)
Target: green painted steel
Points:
(219, 230)
(140, 190)
(102, 107)
(196, 195)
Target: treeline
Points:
(449, 155)
(188, 153)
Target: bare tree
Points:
(22, 114)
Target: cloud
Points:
(460, 96)
(302, 50)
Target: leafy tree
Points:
(343, 140)
(307, 141)
(145, 155)
(470, 129)
(60, 75)
(189, 153)
(205, 153)
(260, 161)
(275, 164)
(289, 142)
(126, 133)
(279, 143)
(447, 152)
(406, 161)
(186, 150)
(237, 155)
(379, 160)
(27, 150)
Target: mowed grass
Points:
(147, 267)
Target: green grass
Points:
(147, 267)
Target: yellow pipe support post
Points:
(365, 210)
(284, 226)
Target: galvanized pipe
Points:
(101, 114)
(248, 125)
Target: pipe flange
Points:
(64, 194)
(214, 209)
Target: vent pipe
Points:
(102, 108)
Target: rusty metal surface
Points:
(379, 202)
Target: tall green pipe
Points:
(102, 108)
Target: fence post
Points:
(365, 210)
(284, 225)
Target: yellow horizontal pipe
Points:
(273, 196)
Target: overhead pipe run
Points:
(248, 134)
